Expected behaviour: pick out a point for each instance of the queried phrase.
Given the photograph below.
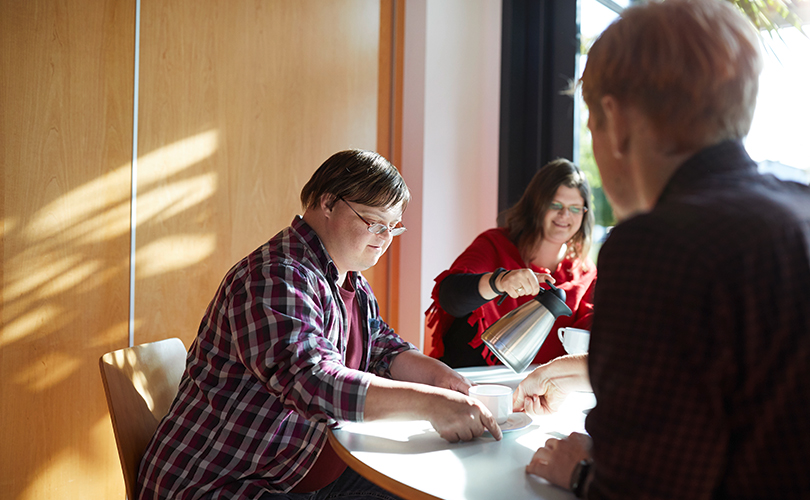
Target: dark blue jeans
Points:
(349, 486)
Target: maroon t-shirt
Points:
(329, 466)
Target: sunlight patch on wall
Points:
(52, 264)
(68, 279)
(166, 190)
(61, 258)
(9, 225)
(50, 369)
(60, 474)
(172, 199)
(173, 253)
(99, 209)
(27, 323)
(161, 164)
(59, 255)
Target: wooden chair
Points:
(140, 383)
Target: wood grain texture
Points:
(385, 277)
(239, 103)
(66, 89)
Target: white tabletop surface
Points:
(413, 454)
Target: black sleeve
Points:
(458, 294)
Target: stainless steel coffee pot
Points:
(517, 337)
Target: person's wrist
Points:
(494, 278)
(580, 478)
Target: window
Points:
(594, 17)
(779, 132)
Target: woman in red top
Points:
(547, 235)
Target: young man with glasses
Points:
(293, 342)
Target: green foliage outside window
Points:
(602, 212)
(770, 15)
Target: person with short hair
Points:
(546, 235)
(293, 343)
(700, 347)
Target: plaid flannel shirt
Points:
(266, 376)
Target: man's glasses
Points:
(376, 228)
(574, 209)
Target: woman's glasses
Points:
(574, 209)
(377, 228)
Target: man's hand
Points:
(538, 395)
(556, 460)
(543, 391)
(460, 418)
(426, 389)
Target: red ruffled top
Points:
(493, 249)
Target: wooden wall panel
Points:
(385, 275)
(66, 87)
(239, 103)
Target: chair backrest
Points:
(140, 383)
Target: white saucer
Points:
(515, 422)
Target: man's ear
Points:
(617, 126)
(327, 203)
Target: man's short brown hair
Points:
(690, 66)
(364, 177)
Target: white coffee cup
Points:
(574, 340)
(497, 398)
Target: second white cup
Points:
(574, 340)
(497, 398)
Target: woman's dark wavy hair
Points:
(524, 220)
(363, 177)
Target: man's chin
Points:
(367, 263)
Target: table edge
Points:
(383, 481)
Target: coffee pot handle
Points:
(539, 294)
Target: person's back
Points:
(700, 347)
(701, 364)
